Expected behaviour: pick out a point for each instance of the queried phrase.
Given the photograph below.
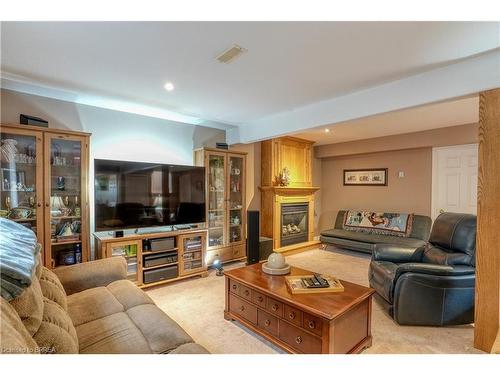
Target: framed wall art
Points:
(365, 177)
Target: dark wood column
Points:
(488, 231)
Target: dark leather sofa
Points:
(365, 242)
(432, 284)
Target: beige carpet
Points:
(197, 305)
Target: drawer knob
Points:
(242, 308)
(260, 298)
(247, 292)
(267, 323)
(298, 339)
(311, 324)
(274, 307)
(291, 315)
(234, 286)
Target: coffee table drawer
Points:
(313, 324)
(267, 322)
(259, 299)
(245, 292)
(242, 308)
(274, 307)
(293, 315)
(298, 339)
(234, 287)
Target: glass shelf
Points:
(236, 183)
(65, 178)
(216, 197)
(19, 177)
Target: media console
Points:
(157, 257)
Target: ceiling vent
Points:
(230, 54)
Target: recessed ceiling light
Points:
(169, 86)
(327, 130)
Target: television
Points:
(136, 195)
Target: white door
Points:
(454, 179)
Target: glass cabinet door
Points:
(236, 194)
(216, 200)
(64, 203)
(21, 178)
(128, 250)
(192, 254)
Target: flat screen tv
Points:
(136, 195)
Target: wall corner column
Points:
(487, 309)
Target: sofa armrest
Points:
(92, 274)
(434, 269)
(397, 253)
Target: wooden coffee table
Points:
(303, 323)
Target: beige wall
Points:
(409, 194)
(450, 136)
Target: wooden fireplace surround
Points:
(296, 155)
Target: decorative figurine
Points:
(61, 183)
(283, 178)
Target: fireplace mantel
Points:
(290, 190)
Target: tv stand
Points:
(182, 255)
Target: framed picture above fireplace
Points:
(365, 177)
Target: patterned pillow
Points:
(389, 224)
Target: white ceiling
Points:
(439, 115)
(288, 64)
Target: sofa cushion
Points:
(15, 337)
(381, 276)
(190, 348)
(56, 334)
(29, 306)
(112, 334)
(52, 288)
(372, 238)
(39, 261)
(92, 304)
(161, 332)
(121, 318)
(128, 294)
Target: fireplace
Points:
(294, 223)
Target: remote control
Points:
(315, 282)
(324, 283)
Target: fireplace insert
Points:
(294, 223)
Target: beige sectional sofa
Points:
(89, 308)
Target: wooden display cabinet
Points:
(44, 174)
(226, 205)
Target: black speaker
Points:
(253, 237)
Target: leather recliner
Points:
(433, 284)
